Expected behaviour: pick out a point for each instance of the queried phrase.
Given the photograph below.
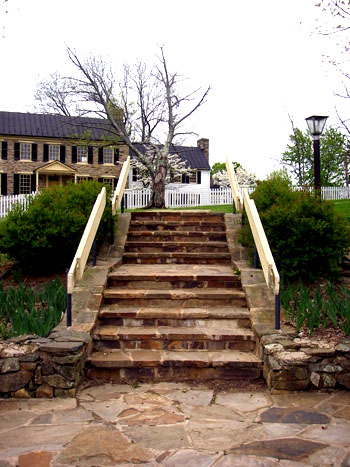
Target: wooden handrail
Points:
(119, 191)
(262, 246)
(236, 194)
(81, 256)
(268, 265)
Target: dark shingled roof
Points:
(57, 126)
(52, 126)
(193, 155)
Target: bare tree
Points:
(159, 106)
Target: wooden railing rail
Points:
(117, 197)
(262, 246)
(81, 256)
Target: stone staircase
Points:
(174, 309)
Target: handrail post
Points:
(94, 252)
(69, 310)
(122, 204)
(111, 227)
(278, 311)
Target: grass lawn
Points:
(215, 208)
(343, 207)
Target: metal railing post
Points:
(256, 257)
(111, 227)
(69, 309)
(94, 252)
(278, 311)
(122, 204)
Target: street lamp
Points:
(316, 125)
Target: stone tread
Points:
(171, 333)
(202, 255)
(136, 358)
(173, 294)
(160, 244)
(112, 311)
(140, 274)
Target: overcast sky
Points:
(262, 59)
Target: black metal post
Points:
(256, 257)
(233, 207)
(69, 309)
(94, 253)
(317, 166)
(111, 230)
(277, 311)
(122, 205)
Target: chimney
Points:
(203, 143)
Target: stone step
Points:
(179, 298)
(175, 236)
(170, 247)
(183, 317)
(136, 358)
(148, 278)
(186, 226)
(177, 258)
(173, 338)
(153, 365)
(177, 216)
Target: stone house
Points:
(40, 150)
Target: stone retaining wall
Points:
(297, 363)
(32, 367)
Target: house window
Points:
(24, 184)
(108, 155)
(54, 152)
(25, 151)
(108, 181)
(82, 154)
(82, 178)
(134, 174)
(193, 176)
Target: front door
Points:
(53, 180)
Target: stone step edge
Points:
(173, 233)
(109, 332)
(166, 276)
(173, 294)
(181, 313)
(145, 358)
(177, 254)
(159, 244)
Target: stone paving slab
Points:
(177, 424)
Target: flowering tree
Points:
(220, 176)
(148, 106)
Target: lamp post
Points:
(316, 125)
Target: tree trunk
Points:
(158, 191)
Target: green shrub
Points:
(45, 237)
(307, 237)
(24, 312)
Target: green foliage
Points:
(45, 237)
(307, 237)
(342, 207)
(24, 312)
(221, 167)
(326, 308)
(299, 158)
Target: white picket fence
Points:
(8, 202)
(177, 198)
(174, 198)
